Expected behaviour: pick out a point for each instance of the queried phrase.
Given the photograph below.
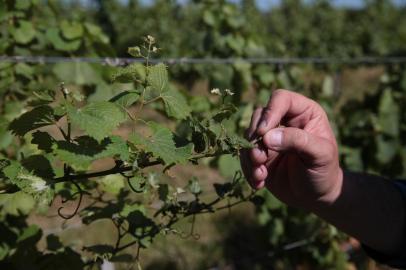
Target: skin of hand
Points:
(297, 161)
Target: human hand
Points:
(297, 162)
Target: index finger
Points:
(282, 104)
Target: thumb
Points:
(313, 150)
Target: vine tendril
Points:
(81, 193)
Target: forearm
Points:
(371, 209)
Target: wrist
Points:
(328, 201)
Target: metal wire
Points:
(207, 61)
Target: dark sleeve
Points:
(393, 260)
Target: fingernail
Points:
(263, 124)
(274, 138)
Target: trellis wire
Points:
(207, 61)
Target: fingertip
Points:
(259, 173)
(258, 185)
(258, 156)
(262, 128)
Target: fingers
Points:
(260, 173)
(283, 104)
(255, 175)
(256, 116)
(258, 155)
(313, 150)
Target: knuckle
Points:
(279, 92)
(299, 139)
(331, 153)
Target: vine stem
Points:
(114, 170)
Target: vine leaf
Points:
(162, 145)
(84, 150)
(130, 74)
(175, 104)
(72, 30)
(388, 117)
(77, 73)
(39, 165)
(158, 77)
(97, 119)
(54, 37)
(38, 117)
(17, 203)
(112, 183)
(29, 183)
(25, 33)
(194, 186)
(43, 141)
(142, 227)
(126, 98)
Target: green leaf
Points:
(24, 70)
(113, 183)
(209, 18)
(31, 234)
(328, 86)
(162, 145)
(77, 73)
(158, 77)
(57, 41)
(387, 148)
(388, 114)
(194, 186)
(238, 142)
(17, 203)
(25, 33)
(141, 227)
(42, 97)
(43, 140)
(200, 104)
(22, 4)
(175, 104)
(6, 137)
(134, 51)
(224, 113)
(38, 165)
(228, 165)
(84, 150)
(130, 73)
(96, 32)
(223, 189)
(97, 119)
(30, 183)
(72, 30)
(129, 208)
(138, 183)
(126, 99)
(36, 118)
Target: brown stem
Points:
(114, 170)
